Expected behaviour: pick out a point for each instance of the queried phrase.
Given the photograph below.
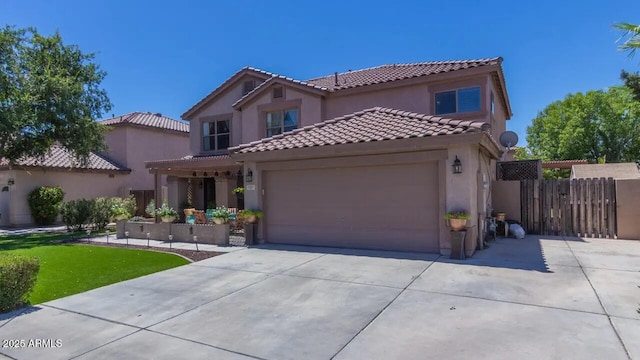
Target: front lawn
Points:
(67, 269)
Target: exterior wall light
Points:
(457, 166)
(249, 177)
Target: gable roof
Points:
(375, 124)
(281, 80)
(393, 72)
(357, 78)
(225, 85)
(148, 119)
(59, 158)
(613, 170)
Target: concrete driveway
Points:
(537, 298)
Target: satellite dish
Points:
(508, 139)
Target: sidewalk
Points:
(111, 239)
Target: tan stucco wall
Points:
(253, 115)
(506, 199)
(148, 145)
(410, 98)
(627, 199)
(221, 106)
(75, 185)
(132, 146)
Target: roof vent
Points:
(336, 78)
(158, 114)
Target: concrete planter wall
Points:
(206, 233)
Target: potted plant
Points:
(457, 219)
(166, 213)
(239, 192)
(252, 216)
(220, 215)
(120, 213)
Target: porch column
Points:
(157, 190)
(222, 192)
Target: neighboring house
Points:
(617, 171)
(101, 176)
(142, 136)
(131, 140)
(357, 159)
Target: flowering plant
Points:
(458, 214)
(221, 212)
(165, 210)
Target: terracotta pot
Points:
(457, 224)
(219, 221)
(168, 219)
(252, 219)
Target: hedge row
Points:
(99, 212)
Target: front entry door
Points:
(209, 193)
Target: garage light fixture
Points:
(249, 177)
(457, 166)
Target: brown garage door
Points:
(391, 207)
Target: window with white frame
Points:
(458, 101)
(281, 121)
(215, 135)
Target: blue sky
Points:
(163, 56)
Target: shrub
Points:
(44, 203)
(102, 212)
(75, 213)
(17, 278)
(123, 208)
(151, 208)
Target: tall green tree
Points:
(49, 93)
(630, 41)
(593, 126)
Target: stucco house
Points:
(132, 139)
(355, 159)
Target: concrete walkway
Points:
(167, 245)
(537, 298)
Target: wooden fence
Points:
(578, 207)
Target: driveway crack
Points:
(384, 308)
(606, 313)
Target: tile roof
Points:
(562, 164)
(60, 158)
(375, 124)
(269, 81)
(392, 72)
(148, 119)
(210, 96)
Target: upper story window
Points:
(215, 135)
(281, 121)
(458, 101)
(493, 104)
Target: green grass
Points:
(67, 269)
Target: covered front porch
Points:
(198, 182)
